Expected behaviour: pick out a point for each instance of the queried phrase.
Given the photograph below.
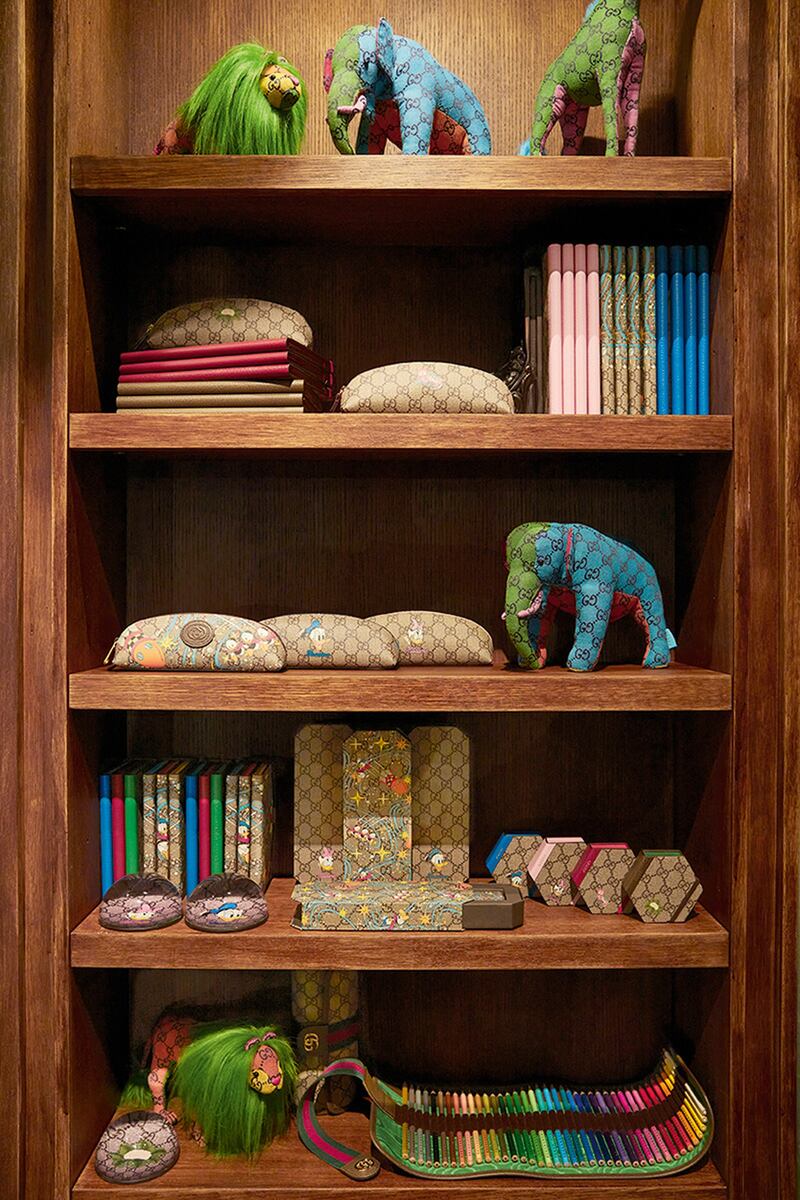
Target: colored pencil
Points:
(527, 1147)
(469, 1102)
(405, 1123)
(513, 1139)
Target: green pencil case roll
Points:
(197, 642)
(662, 1125)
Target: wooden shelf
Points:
(499, 688)
(392, 199)
(320, 434)
(288, 1171)
(550, 938)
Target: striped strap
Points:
(313, 1136)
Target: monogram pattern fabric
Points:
(560, 566)
(326, 998)
(136, 1147)
(440, 772)
(426, 387)
(509, 859)
(225, 903)
(433, 639)
(551, 869)
(318, 769)
(238, 319)
(602, 65)
(197, 642)
(598, 887)
(390, 907)
(661, 887)
(402, 94)
(321, 640)
(141, 902)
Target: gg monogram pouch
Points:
(197, 642)
(426, 387)
(434, 639)
(331, 640)
(206, 322)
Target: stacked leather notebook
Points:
(278, 373)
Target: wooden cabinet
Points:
(130, 514)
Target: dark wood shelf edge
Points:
(288, 1171)
(550, 939)
(321, 434)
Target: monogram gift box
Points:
(661, 887)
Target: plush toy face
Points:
(281, 86)
(266, 1073)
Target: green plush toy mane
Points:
(229, 114)
(211, 1079)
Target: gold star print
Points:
(364, 909)
(357, 796)
(342, 912)
(381, 743)
(424, 918)
(402, 853)
(382, 852)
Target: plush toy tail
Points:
(136, 1093)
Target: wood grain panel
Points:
(552, 937)
(703, 77)
(757, 920)
(409, 689)
(789, 302)
(500, 47)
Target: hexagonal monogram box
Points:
(551, 869)
(509, 858)
(661, 887)
(597, 880)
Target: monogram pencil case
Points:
(197, 642)
(220, 320)
(426, 387)
(662, 1125)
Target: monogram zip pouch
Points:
(331, 640)
(426, 387)
(197, 642)
(210, 322)
(434, 639)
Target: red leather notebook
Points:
(226, 362)
(264, 346)
(276, 371)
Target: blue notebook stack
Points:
(682, 330)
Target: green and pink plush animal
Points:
(401, 94)
(602, 65)
(553, 566)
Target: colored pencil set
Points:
(186, 819)
(659, 1126)
(618, 329)
(275, 373)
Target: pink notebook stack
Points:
(573, 324)
(279, 373)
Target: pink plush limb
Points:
(556, 113)
(573, 126)
(629, 84)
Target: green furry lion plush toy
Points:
(251, 102)
(234, 1083)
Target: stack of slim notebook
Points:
(186, 819)
(278, 373)
(618, 329)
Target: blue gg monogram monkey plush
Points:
(574, 568)
(401, 92)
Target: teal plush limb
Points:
(371, 64)
(602, 65)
